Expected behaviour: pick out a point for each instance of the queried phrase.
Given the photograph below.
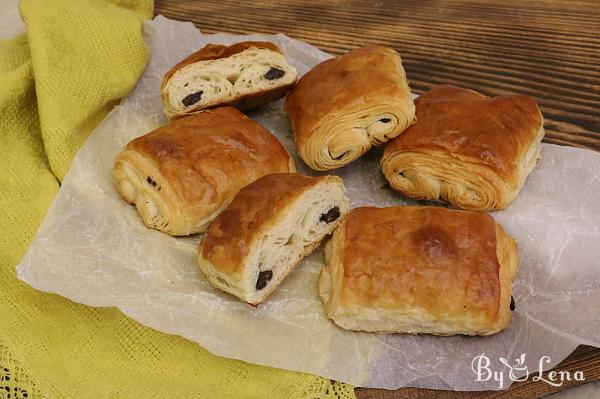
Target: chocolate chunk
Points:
(150, 181)
(274, 73)
(331, 215)
(385, 120)
(263, 278)
(192, 98)
(513, 306)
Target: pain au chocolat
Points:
(345, 105)
(182, 175)
(419, 269)
(266, 231)
(468, 149)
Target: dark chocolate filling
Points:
(274, 73)
(263, 278)
(331, 215)
(513, 306)
(385, 120)
(192, 98)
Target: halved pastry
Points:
(347, 104)
(419, 270)
(468, 149)
(246, 75)
(267, 229)
(182, 175)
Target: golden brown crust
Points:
(433, 269)
(425, 256)
(232, 234)
(205, 159)
(493, 131)
(216, 51)
(337, 96)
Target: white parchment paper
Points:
(94, 249)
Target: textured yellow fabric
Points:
(51, 347)
(63, 36)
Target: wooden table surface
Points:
(549, 50)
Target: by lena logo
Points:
(518, 371)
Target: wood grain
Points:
(584, 358)
(546, 49)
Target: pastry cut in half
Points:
(470, 150)
(419, 269)
(346, 105)
(182, 175)
(266, 231)
(246, 75)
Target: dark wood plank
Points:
(546, 49)
(584, 358)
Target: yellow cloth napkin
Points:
(78, 58)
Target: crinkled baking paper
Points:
(94, 249)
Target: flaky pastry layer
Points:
(470, 150)
(345, 105)
(182, 175)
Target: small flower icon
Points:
(518, 368)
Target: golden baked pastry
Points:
(180, 176)
(419, 269)
(246, 75)
(267, 229)
(468, 149)
(347, 104)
